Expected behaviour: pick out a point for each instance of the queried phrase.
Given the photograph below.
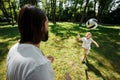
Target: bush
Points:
(111, 18)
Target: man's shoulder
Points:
(14, 46)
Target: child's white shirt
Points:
(86, 43)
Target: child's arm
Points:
(78, 37)
(95, 43)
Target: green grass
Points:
(103, 62)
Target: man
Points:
(25, 61)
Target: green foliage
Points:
(1, 13)
(90, 14)
(32, 2)
(103, 62)
(64, 10)
(111, 18)
(78, 16)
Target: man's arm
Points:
(42, 72)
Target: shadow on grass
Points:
(109, 45)
(7, 35)
(9, 32)
(107, 38)
(93, 69)
(3, 50)
(66, 32)
(4, 23)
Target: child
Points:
(87, 40)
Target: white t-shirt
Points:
(86, 43)
(26, 62)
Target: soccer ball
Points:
(92, 23)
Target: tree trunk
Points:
(53, 7)
(74, 9)
(14, 10)
(84, 13)
(3, 9)
(11, 15)
(32, 2)
(103, 8)
(100, 9)
(95, 1)
(60, 10)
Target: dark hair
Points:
(31, 24)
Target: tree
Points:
(32, 2)
(14, 7)
(60, 9)
(3, 9)
(115, 19)
(11, 14)
(95, 2)
(103, 8)
(113, 5)
(74, 9)
(84, 12)
(53, 11)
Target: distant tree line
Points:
(106, 11)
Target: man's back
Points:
(26, 62)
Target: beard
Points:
(45, 37)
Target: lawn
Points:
(103, 62)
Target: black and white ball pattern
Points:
(92, 23)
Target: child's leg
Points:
(85, 55)
(86, 51)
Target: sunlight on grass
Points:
(103, 62)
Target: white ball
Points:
(92, 23)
